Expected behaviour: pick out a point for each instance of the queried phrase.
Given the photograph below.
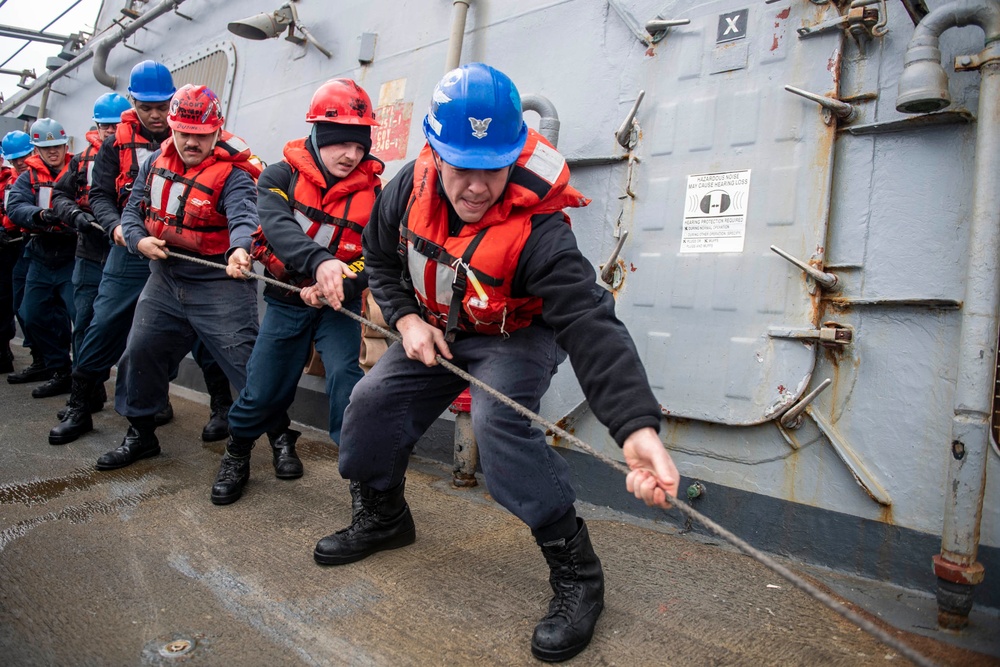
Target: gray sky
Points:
(35, 15)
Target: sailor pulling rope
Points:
(797, 581)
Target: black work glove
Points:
(84, 221)
(4, 237)
(48, 218)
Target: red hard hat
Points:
(195, 110)
(341, 101)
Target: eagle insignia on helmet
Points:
(479, 127)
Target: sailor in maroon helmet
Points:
(141, 130)
(470, 256)
(313, 206)
(194, 196)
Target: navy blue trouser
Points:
(18, 278)
(179, 304)
(86, 279)
(399, 399)
(103, 342)
(47, 311)
(280, 353)
(9, 256)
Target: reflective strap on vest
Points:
(175, 197)
(44, 196)
(324, 233)
(434, 284)
(140, 153)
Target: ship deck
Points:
(136, 566)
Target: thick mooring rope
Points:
(809, 589)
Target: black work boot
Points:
(234, 472)
(217, 427)
(383, 522)
(36, 372)
(95, 402)
(6, 360)
(355, 488)
(577, 580)
(61, 382)
(286, 462)
(77, 419)
(140, 443)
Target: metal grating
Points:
(213, 66)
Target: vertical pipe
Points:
(460, 8)
(466, 452)
(44, 102)
(956, 566)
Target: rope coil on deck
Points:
(806, 587)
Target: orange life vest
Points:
(181, 203)
(43, 182)
(133, 149)
(85, 169)
(463, 282)
(334, 218)
(7, 177)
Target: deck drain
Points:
(176, 648)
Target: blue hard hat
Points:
(47, 132)
(109, 108)
(475, 119)
(16, 144)
(151, 81)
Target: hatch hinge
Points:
(862, 22)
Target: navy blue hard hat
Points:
(109, 108)
(151, 81)
(475, 119)
(16, 144)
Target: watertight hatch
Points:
(731, 164)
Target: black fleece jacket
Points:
(91, 244)
(103, 192)
(551, 267)
(293, 247)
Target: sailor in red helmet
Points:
(194, 196)
(313, 207)
(470, 256)
(141, 130)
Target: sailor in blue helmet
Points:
(140, 131)
(471, 256)
(16, 147)
(47, 308)
(71, 203)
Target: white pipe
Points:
(102, 50)
(956, 566)
(460, 8)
